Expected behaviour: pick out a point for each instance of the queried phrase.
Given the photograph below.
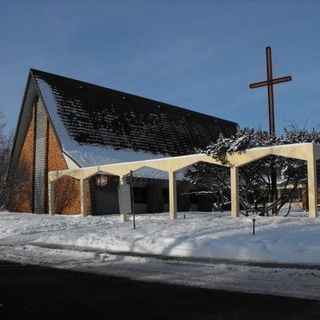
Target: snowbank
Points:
(293, 239)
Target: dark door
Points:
(104, 199)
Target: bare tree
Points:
(212, 180)
(10, 185)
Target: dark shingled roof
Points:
(94, 115)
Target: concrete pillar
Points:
(234, 179)
(51, 198)
(123, 201)
(172, 195)
(83, 197)
(312, 187)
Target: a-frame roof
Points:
(99, 125)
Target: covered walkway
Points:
(308, 152)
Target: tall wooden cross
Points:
(269, 83)
(272, 130)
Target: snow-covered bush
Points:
(255, 178)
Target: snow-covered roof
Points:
(97, 125)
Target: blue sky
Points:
(201, 55)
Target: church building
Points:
(68, 124)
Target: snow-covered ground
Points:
(86, 244)
(294, 239)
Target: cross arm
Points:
(273, 81)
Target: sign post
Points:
(132, 200)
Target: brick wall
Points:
(67, 189)
(23, 200)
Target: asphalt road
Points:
(33, 292)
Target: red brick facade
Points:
(23, 201)
(67, 189)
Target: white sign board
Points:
(124, 198)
